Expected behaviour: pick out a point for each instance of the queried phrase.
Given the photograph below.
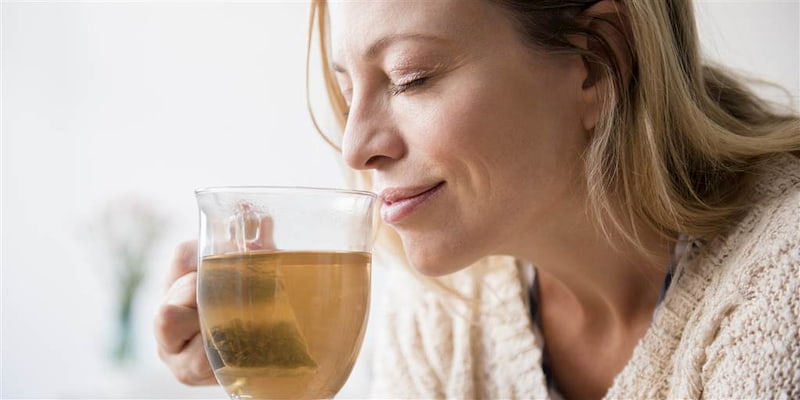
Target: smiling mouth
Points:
(394, 210)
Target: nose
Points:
(371, 138)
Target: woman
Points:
(657, 198)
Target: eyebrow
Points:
(379, 45)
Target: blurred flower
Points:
(127, 230)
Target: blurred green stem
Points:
(123, 348)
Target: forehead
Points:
(356, 25)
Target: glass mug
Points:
(283, 287)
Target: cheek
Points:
(503, 152)
(490, 143)
(461, 139)
(456, 130)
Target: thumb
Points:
(265, 239)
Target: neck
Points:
(609, 285)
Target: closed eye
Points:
(400, 88)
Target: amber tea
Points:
(283, 324)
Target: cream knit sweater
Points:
(727, 327)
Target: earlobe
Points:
(591, 105)
(589, 95)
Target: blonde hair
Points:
(675, 147)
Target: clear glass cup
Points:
(283, 287)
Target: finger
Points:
(175, 326)
(177, 320)
(183, 291)
(265, 240)
(191, 365)
(183, 262)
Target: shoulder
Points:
(763, 244)
(775, 198)
(761, 255)
(754, 292)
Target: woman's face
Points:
(445, 95)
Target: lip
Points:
(398, 203)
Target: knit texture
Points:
(728, 326)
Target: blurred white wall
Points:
(104, 99)
(759, 38)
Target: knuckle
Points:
(184, 376)
(183, 261)
(185, 254)
(194, 371)
(162, 355)
(170, 319)
(190, 279)
(184, 288)
(164, 320)
(186, 247)
(199, 366)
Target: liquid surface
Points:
(280, 324)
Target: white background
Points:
(102, 100)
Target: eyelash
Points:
(398, 89)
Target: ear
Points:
(610, 21)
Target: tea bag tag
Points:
(245, 226)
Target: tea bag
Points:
(269, 337)
(277, 346)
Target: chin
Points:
(433, 262)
